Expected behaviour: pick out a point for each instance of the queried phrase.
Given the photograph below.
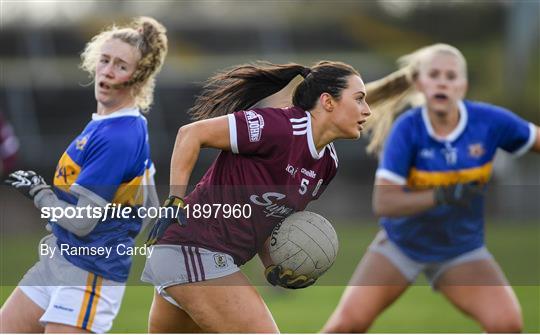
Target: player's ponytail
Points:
(391, 95)
(152, 43)
(387, 98)
(241, 87)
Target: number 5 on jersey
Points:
(304, 184)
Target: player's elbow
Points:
(379, 208)
(387, 200)
(82, 231)
(189, 133)
(380, 204)
(183, 131)
(383, 206)
(82, 226)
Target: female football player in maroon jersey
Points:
(428, 193)
(274, 161)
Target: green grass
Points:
(516, 247)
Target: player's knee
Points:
(154, 326)
(158, 324)
(509, 323)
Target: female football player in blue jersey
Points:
(428, 193)
(273, 161)
(79, 285)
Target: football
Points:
(304, 242)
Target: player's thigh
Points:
(228, 304)
(168, 318)
(376, 284)
(479, 289)
(20, 314)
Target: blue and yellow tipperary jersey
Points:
(109, 162)
(416, 157)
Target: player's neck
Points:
(444, 123)
(322, 135)
(106, 110)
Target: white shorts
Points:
(411, 268)
(172, 265)
(54, 285)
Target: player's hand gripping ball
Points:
(286, 278)
(28, 183)
(302, 248)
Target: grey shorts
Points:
(172, 265)
(411, 268)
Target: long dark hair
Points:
(242, 86)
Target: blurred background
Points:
(46, 100)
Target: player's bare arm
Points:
(209, 133)
(391, 199)
(536, 145)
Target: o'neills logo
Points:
(309, 173)
(255, 123)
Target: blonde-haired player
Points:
(109, 162)
(429, 194)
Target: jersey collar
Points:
(129, 111)
(463, 117)
(311, 142)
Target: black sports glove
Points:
(458, 194)
(28, 183)
(276, 275)
(160, 226)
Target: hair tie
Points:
(305, 72)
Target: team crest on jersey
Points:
(81, 143)
(476, 150)
(255, 123)
(220, 260)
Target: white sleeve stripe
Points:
(232, 133)
(80, 190)
(391, 176)
(333, 153)
(529, 144)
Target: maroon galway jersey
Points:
(273, 167)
